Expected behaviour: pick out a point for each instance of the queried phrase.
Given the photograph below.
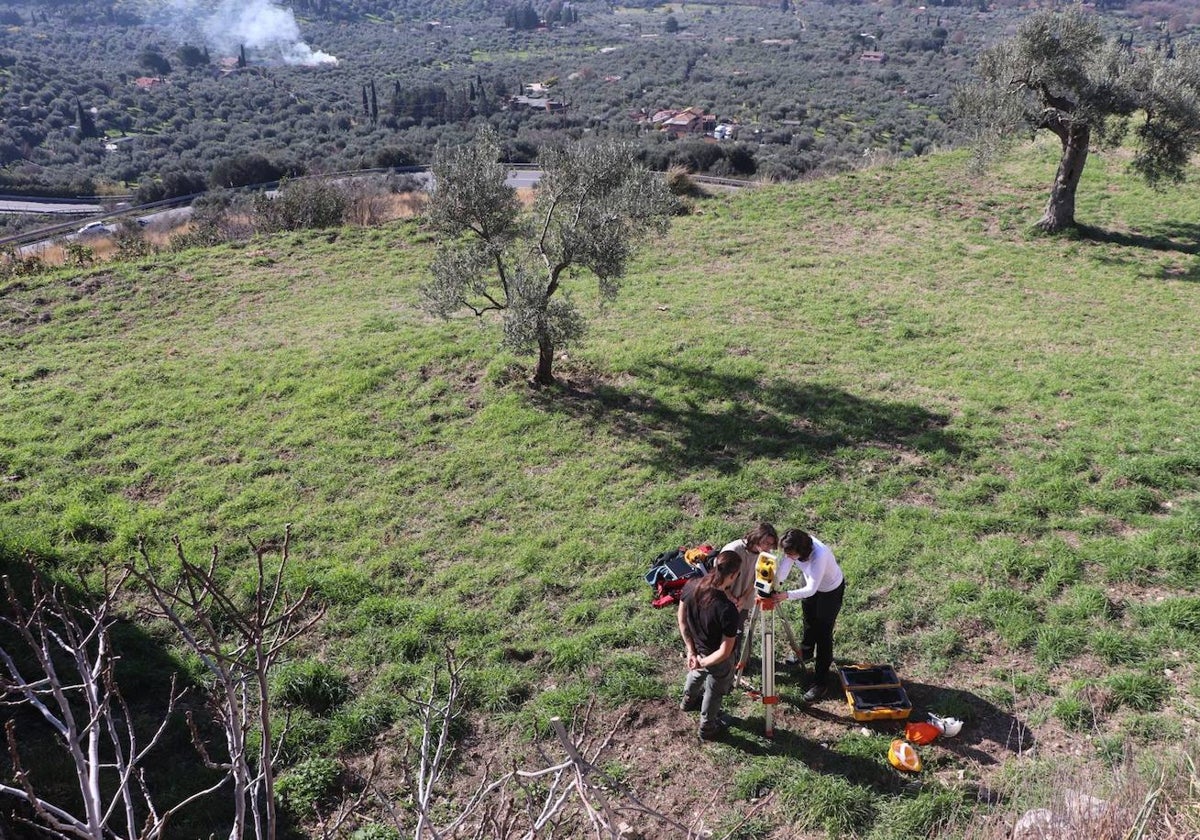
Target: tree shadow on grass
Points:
(1180, 237)
(1167, 236)
(722, 420)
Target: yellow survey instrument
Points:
(764, 574)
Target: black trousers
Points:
(820, 613)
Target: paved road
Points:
(523, 178)
(517, 178)
(22, 205)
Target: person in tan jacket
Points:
(762, 537)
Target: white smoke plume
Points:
(263, 27)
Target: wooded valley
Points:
(164, 99)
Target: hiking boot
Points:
(725, 721)
(713, 731)
(815, 692)
(686, 705)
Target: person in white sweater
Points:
(820, 596)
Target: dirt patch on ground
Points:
(653, 760)
(661, 778)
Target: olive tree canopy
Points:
(594, 204)
(1061, 74)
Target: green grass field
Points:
(998, 434)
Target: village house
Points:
(689, 122)
(536, 103)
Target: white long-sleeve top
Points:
(821, 572)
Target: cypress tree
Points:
(87, 124)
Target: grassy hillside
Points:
(998, 434)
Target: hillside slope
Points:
(998, 434)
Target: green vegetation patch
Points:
(997, 434)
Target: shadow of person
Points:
(818, 755)
(984, 723)
(989, 734)
(812, 732)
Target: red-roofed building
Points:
(689, 121)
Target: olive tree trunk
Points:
(1060, 208)
(544, 375)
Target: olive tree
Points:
(594, 204)
(1060, 73)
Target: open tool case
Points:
(874, 692)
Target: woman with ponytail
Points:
(708, 624)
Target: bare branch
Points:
(89, 715)
(240, 662)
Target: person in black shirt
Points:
(708, 624)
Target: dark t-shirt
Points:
(710, 624)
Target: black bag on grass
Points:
(671, 570)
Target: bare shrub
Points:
(131, 242)
(214, 220)
(1056, 800)
(409, 204)
(569, 795)
(239, 645)
(680, 183)
(66, 674)
(14, 264)
(78, 255)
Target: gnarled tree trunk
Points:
(1060, 208)
(544, 375)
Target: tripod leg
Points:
(769, 697)
(747, 643)
(791, 637)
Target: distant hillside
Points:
(997, 433)
(100, 101)
(163, 99)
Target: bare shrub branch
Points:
(73, 687)
(239, 659)
(571, 794)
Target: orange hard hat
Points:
(921, 733)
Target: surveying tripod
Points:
(766, 606)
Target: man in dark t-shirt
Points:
(708, 622)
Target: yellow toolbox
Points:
(874, 692)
